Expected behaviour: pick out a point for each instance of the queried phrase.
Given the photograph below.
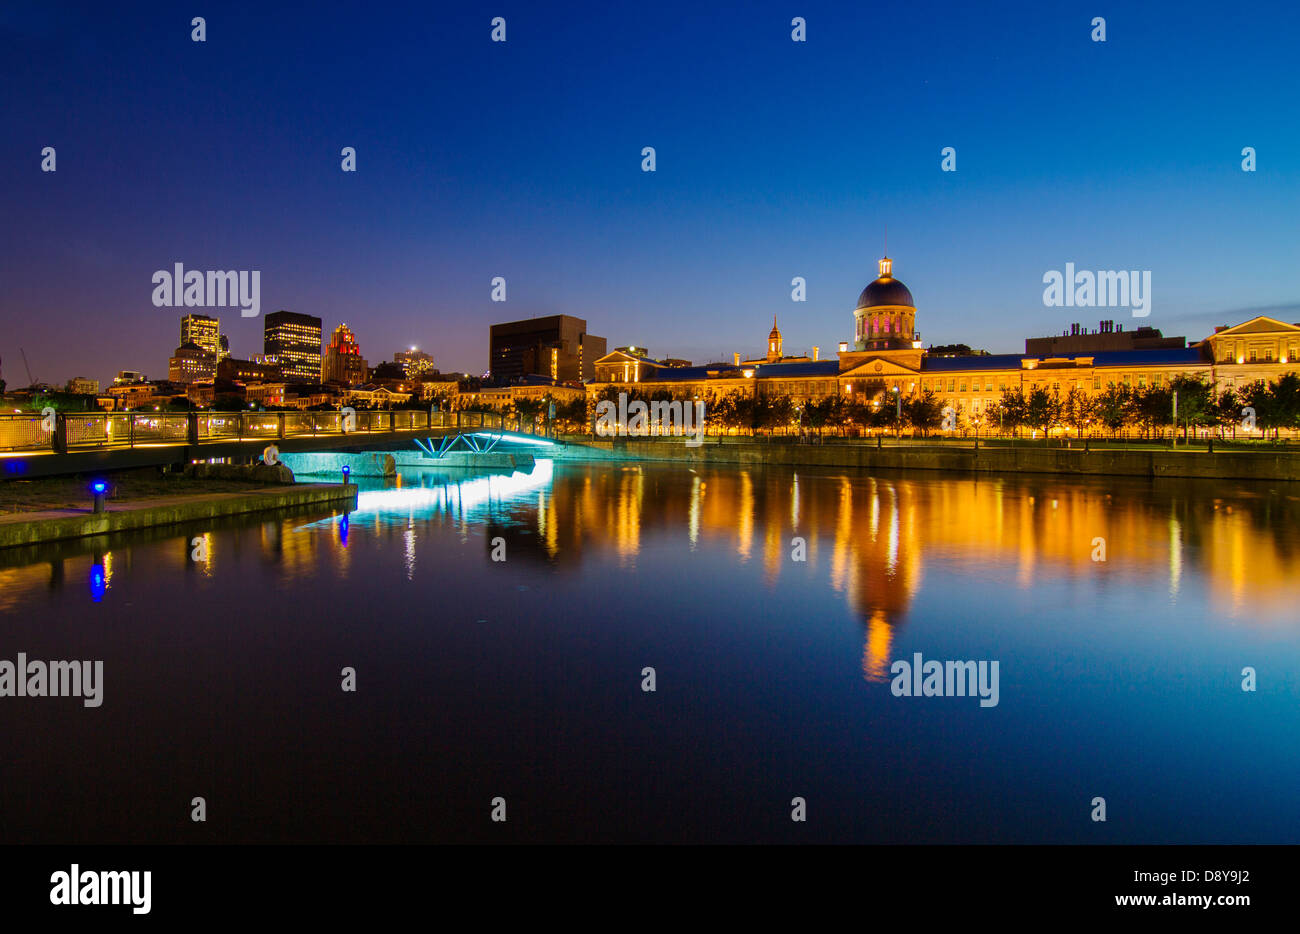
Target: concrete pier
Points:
(34, 528)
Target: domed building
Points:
(886, 347)
(885, 318)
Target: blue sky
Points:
(522, 159)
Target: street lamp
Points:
(346, 471)
(898, 413)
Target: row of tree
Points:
(1186, 402)
(1149, 410)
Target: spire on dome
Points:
(886, 267)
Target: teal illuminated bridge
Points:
(34, 445)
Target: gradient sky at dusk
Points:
(775, 159)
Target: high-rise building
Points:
(556, 346)
(205, 332)
(295, 340)
(343, 362)
(414, 362)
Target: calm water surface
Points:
(522, 679)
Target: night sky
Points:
(523, 159)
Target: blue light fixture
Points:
(100, 489)
(346, 471)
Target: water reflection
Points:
(869, 538)
(806, 583)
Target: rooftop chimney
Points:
(817, 352)
(736, 359)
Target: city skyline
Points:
(686, 259)
(725, 424)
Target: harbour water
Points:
(500, 628)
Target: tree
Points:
(1195, 400)
(1285, 396)
(1077, 409)
(1112, 407)
(1258, 397)
(817, 412)
(573, 413)
(1042, 409)
(1013, 408)
(780, 411)
(729, 411)
(529, 410)
(924, 412)
(1227, 411)
(1151, 408)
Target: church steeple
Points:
(774, 343)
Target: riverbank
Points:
(1193, 464)
(49, 525)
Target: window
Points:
(988, 384)
(963, 385)
(1268, 355)
(952, 385)
(1142, 382)
(1002, 384)
(1254, 356)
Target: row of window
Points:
(948, 385)
(963, 384)
(1260, 352)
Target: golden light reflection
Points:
(870, 538)
(745, 516)
(876, 651)
(207, 551)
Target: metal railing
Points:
(89, 431)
